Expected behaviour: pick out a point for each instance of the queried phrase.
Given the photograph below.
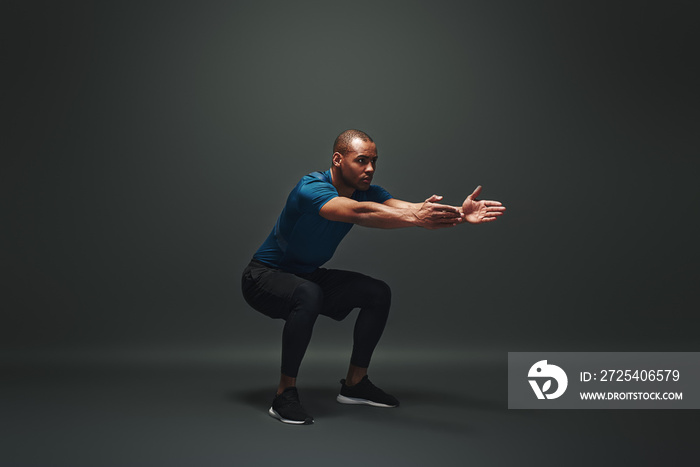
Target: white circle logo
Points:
(541, 371)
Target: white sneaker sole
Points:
(356, 401)
(273, 413)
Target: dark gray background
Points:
(148, 148)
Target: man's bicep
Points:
(340, 209)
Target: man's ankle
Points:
(286, 382)
(355, 375)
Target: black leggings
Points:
(300, 298)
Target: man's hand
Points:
(437, 216)
(476, 211)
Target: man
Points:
(284, 279)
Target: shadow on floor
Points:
(420, 409)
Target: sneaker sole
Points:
(273, 413)
(356, 401)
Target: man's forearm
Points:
(392, 214)
(376, 215)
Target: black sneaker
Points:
(287, 408)
(367, 393)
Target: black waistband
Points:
(260, 264)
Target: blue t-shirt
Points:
(302, 240)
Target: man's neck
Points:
(337, 181)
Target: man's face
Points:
(358, 164)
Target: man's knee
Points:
(378, 292)
(308, 296)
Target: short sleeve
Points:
(314, 194)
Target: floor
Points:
(210, 409)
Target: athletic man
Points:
(284, 279)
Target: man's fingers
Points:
(441, 219)
(444, 208)
(492, 203)
(447, 220)
(446, 215)
(495, 208)
(475, 193)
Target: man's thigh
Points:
(269, 290)
(344, 291)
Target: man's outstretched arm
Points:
(392, 214)
(473, 210)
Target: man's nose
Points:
(369, 168)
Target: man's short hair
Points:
(342, 142)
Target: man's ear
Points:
(337, 157)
